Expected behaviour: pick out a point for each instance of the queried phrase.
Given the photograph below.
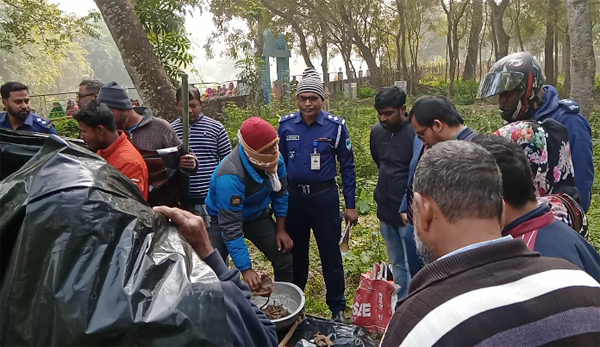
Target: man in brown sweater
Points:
(146, 132)
(477, 287)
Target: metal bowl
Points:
(290, 297)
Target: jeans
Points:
(262, 233)
(320, 212)
(396, 251)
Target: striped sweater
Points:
(500, 294)
(209, 141)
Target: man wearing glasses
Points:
(310, 141)
(88, 91)
(435, 120)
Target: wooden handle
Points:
(288, 336)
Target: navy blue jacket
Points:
(249, 326)
(33, 123)
(329, 137)
(238, 194)
(555, 239)
(566, 112)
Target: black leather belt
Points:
(312, 187)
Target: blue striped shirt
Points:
(209, 141)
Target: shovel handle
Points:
(290, 333)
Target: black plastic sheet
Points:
(341, 334)
(90, 263)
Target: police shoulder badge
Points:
(349, 144)
(236, 200)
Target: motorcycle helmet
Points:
(519, 72)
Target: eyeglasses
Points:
(312, 98)
(421, 133)
(79, 96)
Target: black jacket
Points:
(392, 152)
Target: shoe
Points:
(339, 317)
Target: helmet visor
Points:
(495, 83)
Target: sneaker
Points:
(339, 317)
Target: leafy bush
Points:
(465, 92)
(67, 127)
(365, 93)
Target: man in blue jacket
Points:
(15, 98)
(248, 325)
(518, 79)
(242, 189)
(524, 218)
(434, 120)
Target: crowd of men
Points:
(486, 230)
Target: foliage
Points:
(41, 24)
(252, 74)
(67, 127)
(164, 23)
(365, 92)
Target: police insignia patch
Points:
(348, 143)
(236, 200)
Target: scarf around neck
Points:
(263, 161)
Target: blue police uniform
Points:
(309, 152)
(32, 123)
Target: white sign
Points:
(401, 85)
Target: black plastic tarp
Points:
(341, 334)
(89, 262)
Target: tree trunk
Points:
(324, 60)
(518, 24)
(402, 40)
(583, 63)
(556, 54)
(473, 46)
(549, 42)
(566, 66)
(303, 47)
(502, 39)
(146, 72)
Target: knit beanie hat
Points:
(258, 134)
(114, 96)
(311, 83)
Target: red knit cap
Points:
(257, 133)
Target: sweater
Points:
(500, 294)
(153, 133)
(248, 324)
(125, 158)
(392, 151)
(543, 233)
(209, 141)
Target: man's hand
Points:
(191, 227)
(187, 162)
(404, 217)
(351, 216)
(252, 279)
(284, 242)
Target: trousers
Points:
(414, 262)
(396, 251)
(321, 213)
(262, 233)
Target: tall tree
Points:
(401, 42)
(566, 63)
(499, 35)
(552, 17)
(454, 12)
(473, 46)
(146, 71)
(583, 62)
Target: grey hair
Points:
(462, 178)
(92, 85)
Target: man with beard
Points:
(479, 288)
(98, 129)
(18, 116)
(391, 145)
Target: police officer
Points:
(15, 98)
(310, 141)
